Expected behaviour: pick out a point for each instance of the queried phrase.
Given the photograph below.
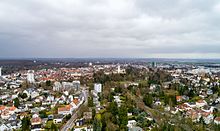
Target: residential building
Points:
(201, 103)
(66, 110)
(30, 76)
(36, 122)
(76, 85)
(57, 86)
(131, 123)
(58, 118)
(4, 127)
(217, 120)
(98, 87)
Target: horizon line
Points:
(32, 58)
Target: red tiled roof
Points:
(178, 98)
(205, 114)
(12, 108)
(2, 108)
(36, 120)
(201, 101)
(66, 108)
(217, 119)
(76, 101)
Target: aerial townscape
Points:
(112, 95)
(109, 65)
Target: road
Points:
(70, 123)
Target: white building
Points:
(4, 127)
(58, 119)
(131, 123)
(57, 86)
(30, 76)
(98, 87)
(66, 86)
(76, 85)
(119, 69)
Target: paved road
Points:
(70, 123)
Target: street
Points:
(70, 123)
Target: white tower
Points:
(0, 71)
(30, 76)
(119, 69)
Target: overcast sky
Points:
(110, 28)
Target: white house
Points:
(131, 123)
(58, 119)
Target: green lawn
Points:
(171, 92)
(48, 124)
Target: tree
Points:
(148, 100)
(43, 114)
(169, 99)
(103, 120)
(141, 116)
(181, 90)
(113, 108)
(110, 97)
(123, 118)
(97, 124)
(22, 95)
(93, 113)
(118, 89)
(90, 102)
(138, 92)
(68, 117)
(48, 83)
(201, 120)
(217, 127)
(16, 102)
(25, 125)
(191, 93)
(53, 127)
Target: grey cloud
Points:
(110, 28)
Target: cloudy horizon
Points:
(110, 28)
